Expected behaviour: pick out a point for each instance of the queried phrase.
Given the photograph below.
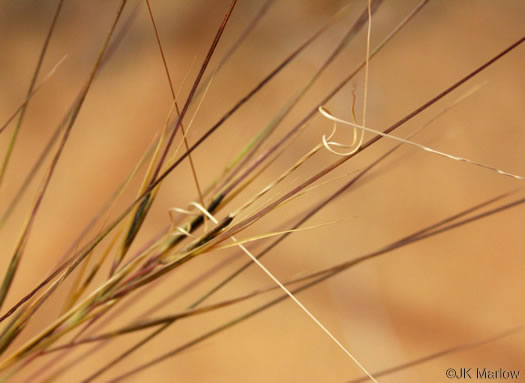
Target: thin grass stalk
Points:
(194, 88)
(174, 97)
(33, 92)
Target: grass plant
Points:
(150, 258)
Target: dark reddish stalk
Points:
(172, 90)
(194, 89)
(436, 355)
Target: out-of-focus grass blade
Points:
(29, 92)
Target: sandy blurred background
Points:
(455, 288)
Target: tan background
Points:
(458, 287)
